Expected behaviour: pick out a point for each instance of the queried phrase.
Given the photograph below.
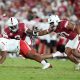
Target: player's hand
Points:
(63, 34)
(5, 35)
(35, 31)
(17, 37)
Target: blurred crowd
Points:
(36, 12)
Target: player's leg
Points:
(71, 44)
(76, 53)
(57, 54)
(47, 56)
(76, 48)
(3, 56)
(70, 55)
(73, 58)
(30, 53)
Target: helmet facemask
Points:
(52, 26)
(54, 21)
(13, 28)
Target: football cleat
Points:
(48, 65)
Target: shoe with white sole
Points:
(48, 65)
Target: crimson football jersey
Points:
(62, 29)
(20, 33)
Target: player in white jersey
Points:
(20, 46)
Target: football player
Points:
(18, 30)
(71, 31)
(22, 48)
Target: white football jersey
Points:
(9, 45)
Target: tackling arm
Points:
(44, 32)
(36, 32)
(29, 32)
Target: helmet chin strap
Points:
(13, 30)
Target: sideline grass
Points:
(20, 69)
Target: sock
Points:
(43, 62)
(78, 64)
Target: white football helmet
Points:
(12, 23)
(54, 19)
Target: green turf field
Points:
(21, 69)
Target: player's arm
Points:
(4, 34)
(3, 55)
(39, 32)
(71, 26)
(44, 32)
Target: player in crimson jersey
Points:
(20, 46)
(70, 31)
(19, 31)
(16, 30)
